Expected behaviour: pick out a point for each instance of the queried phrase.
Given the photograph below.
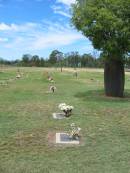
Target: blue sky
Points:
(38, 27)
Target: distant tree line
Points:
(58, 59)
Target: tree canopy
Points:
(106, 23)
(53, 58)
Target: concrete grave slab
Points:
(63, 138)
(58, 116)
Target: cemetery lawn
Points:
(26, 120)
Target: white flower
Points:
(18, 76)
(50, 78)
(72, 125)
(79, 129)
(62, 105)
(75, 131)
(65, 107)
(52, 88)
(71, 107)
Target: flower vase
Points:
(67, 113)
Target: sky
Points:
(38, 27)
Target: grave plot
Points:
(58, 116)
(64, 138)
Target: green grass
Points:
(26, 119)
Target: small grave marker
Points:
(52, 89)
(64, 138)
(58, 116)
(18, 76)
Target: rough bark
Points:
(114, 78)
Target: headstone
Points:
(18, 76)
(76, 74)
(58, 116)
(64, 138)
(52, 89)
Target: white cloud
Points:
(3, 39)
(16, 28)
(58, 39)
(17, 39)
(64, 9)
(4, 27)
(61, 11)
(66, 2)
(38, 36)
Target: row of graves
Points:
(73, 136)
(7, 81)
(53, 88)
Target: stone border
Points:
(63, 138)
(51, 141)
(58, 116)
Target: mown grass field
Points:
(26, 119)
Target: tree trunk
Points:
(61, 69)
(114, 78)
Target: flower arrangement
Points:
(18, 76)
(52, 88)
(50, 79)
(75, 132)
(67, 109)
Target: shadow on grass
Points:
(99, 96)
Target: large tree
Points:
(53, 57)
(35, 61)
(26, 59)
(56, 57)
(73, 58)
(107, 24)
(88, 60)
